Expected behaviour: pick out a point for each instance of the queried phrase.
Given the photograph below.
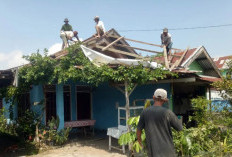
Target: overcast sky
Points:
(28, 25)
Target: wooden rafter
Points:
(120, 45)
(179, 61)
(119, 51)
(141, 42)
(103, 49)
(166, 58)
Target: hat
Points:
(66, 20)
(96, 17)
(160, 93)
(165, 30)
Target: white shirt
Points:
(100, 24)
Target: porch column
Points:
(60, 105)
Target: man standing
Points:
(157, 122)
(66, 26)
(166, 40)
(67, 33)
(100, 29)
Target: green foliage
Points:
(5, 127)
(26, 125)
(200, 105)
(40, 70)
(52, 136)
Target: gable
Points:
(203, 60)
(195, 66)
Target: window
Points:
(23, 103)
(83, 94)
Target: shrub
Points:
(52, 136)
(6, 127)
(26, 125)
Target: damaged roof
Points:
(222, 61)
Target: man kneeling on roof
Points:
(100, 29)
(67, 33)
(166, 40)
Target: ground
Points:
(83, 147)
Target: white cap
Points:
(160, 93)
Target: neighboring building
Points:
(221, 63)
(75, 101)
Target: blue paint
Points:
(6, 106)
(60, 105)
(36, 96)
(105, 98)
(15, 111)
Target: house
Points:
(221, 63)
(76, 101)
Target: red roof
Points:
(210, 79)
(220, 62)
(174, 59)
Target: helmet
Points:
(66, 20)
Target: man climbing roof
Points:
(100, 29)
(166, 40)
(68, 35)
(66, 26)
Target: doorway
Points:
(67, 103)
(50, 97)
(83, 94)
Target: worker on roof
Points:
(67, 34)
(166, 40)
(100, 29)
(66, 26)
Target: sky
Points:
(29, 25)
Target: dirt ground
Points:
(83, 147)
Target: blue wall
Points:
(6, 106)
(105, 98)
(36, 96)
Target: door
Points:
(67, 103)
(50, 96)
(83, 102)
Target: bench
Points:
(80, 123)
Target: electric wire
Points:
(184, 28)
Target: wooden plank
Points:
(166, 58)
(141, 42)
(120, 45)
(121, 52)
(103, 49)
(179, 61)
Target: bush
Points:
(26, 125)
(5, 127)
(52, 136)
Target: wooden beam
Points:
(121, 52)
(141, 42)
(103, 49)
(166, 57)
(120, 45)
(179, 61)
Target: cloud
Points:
(54, 48)
(11, 59)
